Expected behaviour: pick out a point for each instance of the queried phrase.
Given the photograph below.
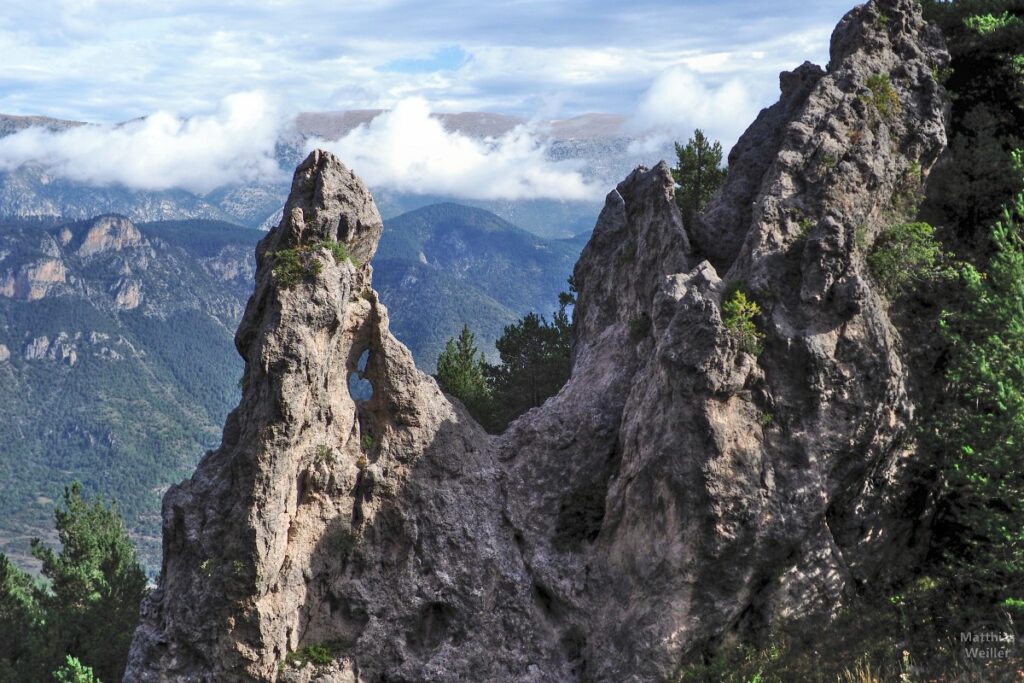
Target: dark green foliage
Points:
(535, 364)
(567, 299)
(96, 584)
(986, 42)
(462, 372)
(739, 314)
(339, 251)
(316, 655)
(906, 256)
(293, 265)
(21, 622)
(89, 605)
(289, 267)
(980, 426)
(698, 173)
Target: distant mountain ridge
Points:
(333, 125)
(473, 268)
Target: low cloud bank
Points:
(679, 101)
(234, 145)
(405, 149)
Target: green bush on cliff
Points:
(294, 264)
(339, 251)
(739, 314)
(883, 96)
(288, 267)
(905, 256)
(317, 655)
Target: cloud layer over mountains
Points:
(233, 145)
(671, 66)
(405, 149)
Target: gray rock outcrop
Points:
(678, 488)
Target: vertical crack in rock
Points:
(647, 510)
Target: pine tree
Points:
(461, 372)
(74, 671)
(21, 622)
(535, 364)
(90, 606)
(698, 173)
(981, 426)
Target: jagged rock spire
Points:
(677, 489)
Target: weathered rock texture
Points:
(676, 490)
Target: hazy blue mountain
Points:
(444, 265)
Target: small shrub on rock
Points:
(883, 96)
(905, 256)
(739, 314)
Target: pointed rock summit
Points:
(329, 203)
(684, 485)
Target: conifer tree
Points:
(461, 372)
(698, 173)
(981, 424)
(89, 606)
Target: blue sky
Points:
(113, 60)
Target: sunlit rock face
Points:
(677, 489)
(109, 233)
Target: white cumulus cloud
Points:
(406, 149)
(233, 145)
(679, 101)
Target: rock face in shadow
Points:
(677, 489)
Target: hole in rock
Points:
(360, 388)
